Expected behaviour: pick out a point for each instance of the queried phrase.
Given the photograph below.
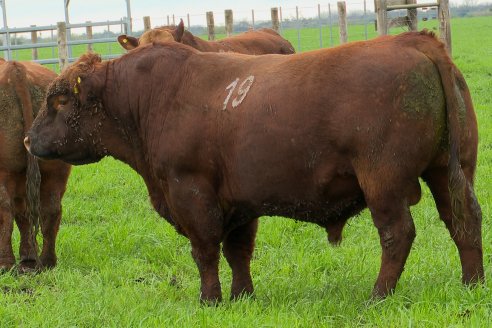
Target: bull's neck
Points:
(197, 43)
(132, 118)
(118, 132)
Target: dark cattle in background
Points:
(29, 188)
(221, 139)
(258, 42)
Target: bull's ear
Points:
(128, 42)
(179, 31)
(89, 86)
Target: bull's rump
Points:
(310, 124)
(15, 76)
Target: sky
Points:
(21, 13)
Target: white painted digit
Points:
(231, 86)
(243, 91)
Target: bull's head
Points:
(156, 35)
(69, 123)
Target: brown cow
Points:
(221, 139)
(28, 188)
(258, 42)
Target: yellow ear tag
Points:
(125, 40)
(75, 89)
(79, 80)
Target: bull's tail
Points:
(427, 43)
(19, 83)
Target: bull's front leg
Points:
(51, 217)
(196, 211)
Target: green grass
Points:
(122, 265)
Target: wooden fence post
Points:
(34, 40)
(342, 21)
(275, 22)
(320, 27)
(62, 45)
(382, 17)
(253, 18)
(298, 30)
(280, 19)
(444, 24)
(168, 24)
(210, 26)
(88, 32)
(146, 20)
(412, 17)
(228, 22)
(188, 18)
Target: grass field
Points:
(121, 265)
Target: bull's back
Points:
(310, 117)
(261, 42)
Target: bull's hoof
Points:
(210, 301)
(473, 280)
(243, 293)
(48, 262)
(6, 267)
(379, 294)
(27, 267)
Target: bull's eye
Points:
(60, 102)
(63, 100)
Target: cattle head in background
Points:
(72, 100)
(159, 34)
(256, 42)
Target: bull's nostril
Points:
(27, 143)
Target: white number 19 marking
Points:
(241, 92)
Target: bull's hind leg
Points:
(469, 239)
(7, 259)
(28, 246)
(238, 249)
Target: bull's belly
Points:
(323, 203)
(322, 212)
